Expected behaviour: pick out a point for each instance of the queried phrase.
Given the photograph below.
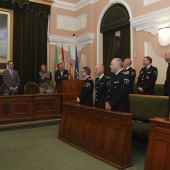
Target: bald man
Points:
(118, 92)
(167, 81)
(101, 86)
(132, 73)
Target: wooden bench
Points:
(106, 135)
(144, 107)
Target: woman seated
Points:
(43, 77)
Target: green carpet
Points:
(38, 148)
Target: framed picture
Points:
(6, 37)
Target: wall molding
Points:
(71, 6)
(72, 23)
(153, 21)
(80, 41)
(148, 2)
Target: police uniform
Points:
(86, 92)
(101, 87)
(132, 75)
(167, 82)
(118, 92)
(147, 79)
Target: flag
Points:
(56, 59)
(62, 57)
(76, 71)
(70, 65)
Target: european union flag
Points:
(76, 72)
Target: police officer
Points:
(167, 81)
(101, 86)
(85, 95)
(132, 73)
(118, 92)
(147, 77)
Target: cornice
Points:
(73, 7)
(46, 2)
(81, 41)
(153, 21)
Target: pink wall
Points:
(94, 11)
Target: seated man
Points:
(61, 74)
(86, 93)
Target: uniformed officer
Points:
(101, 86)
(147, 77)
(132, 73)
(85, 95)
(118, 92)
(167, 81)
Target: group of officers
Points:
(110, 93)
(113, 94)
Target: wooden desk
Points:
(29, 107)
(103, 134)
(69, 90)
(158, 151)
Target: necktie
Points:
(11, 71)
(97, 80)
(61, 74)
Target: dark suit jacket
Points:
(101, 88)
(86, 92)
(59, 78)
(147, 79)
(10, 81)
(118, 92)
(132, 75)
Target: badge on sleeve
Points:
(126, 81)
(155, 72)
(87, 84)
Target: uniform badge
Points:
(87, 84)
(147, 77)
(126, 81)
(141, 72)
(155, 72)
(126, 72)
(132, 73)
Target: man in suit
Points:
(167, 81)
(147, 77)
(61, 74)
(132, 73)
(118, 90)
(85, 95)
(11, 79)
(101, 86)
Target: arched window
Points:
(115, 27)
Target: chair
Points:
(31, 88)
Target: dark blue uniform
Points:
(101, 86)
(167, 82)
(118, 92)
(132, 75)
(86, 92)
(147, 79)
